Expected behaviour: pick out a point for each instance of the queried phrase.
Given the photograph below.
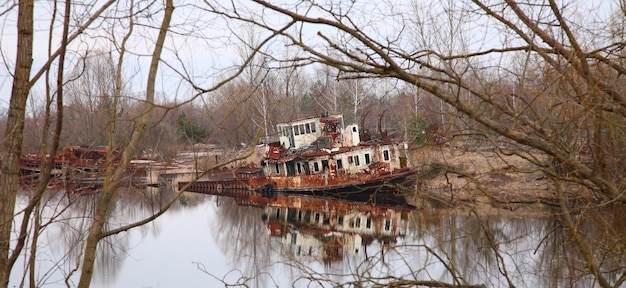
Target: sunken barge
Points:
(77, 169)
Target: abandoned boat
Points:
(78, 169)
(317, 156)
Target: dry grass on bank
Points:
(482, 182)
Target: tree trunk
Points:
(12, 147)
(107, 196)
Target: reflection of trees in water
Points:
(297, 255)
(604, 233)
(457, 248)
(499, 251)
(49, 256)
(241, 234)
(133, 205)
(556, 266)
(466, 249)
(65, 221)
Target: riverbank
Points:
(483, 182)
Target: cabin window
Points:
(296, 130)
(277, 168)
(302, 129)
(339, 164)
(299, 168)
(350, 160)
(317, 217)
(368, 223)
(386, 155)
(300, 215)
(354, 129)
(291, 168)
(356, 160)
(308, 128)
(357, 222)
(306, 166)
(313, 127)
(340, 220)
(367, 158)
(387, 224)
(326, 219)
(277, 213)
(316, 167)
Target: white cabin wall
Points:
(394, 152)
(349, 162)
(303, 132)
(318, 160)
(285, 135)
(344, 162)
(351, 136)
(304, 140)
(270, 169)
(284, 140)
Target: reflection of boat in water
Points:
(330, 228)
(318, 156)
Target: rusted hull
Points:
(355, 189)
(332, 185)
(261, 198)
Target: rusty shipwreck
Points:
(316, 156)
(80, 169)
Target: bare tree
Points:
(91, 101)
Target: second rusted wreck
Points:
(79, 169)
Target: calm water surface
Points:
(207, 241)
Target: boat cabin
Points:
(323, 145)
(325, 132)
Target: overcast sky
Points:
(200, 41)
